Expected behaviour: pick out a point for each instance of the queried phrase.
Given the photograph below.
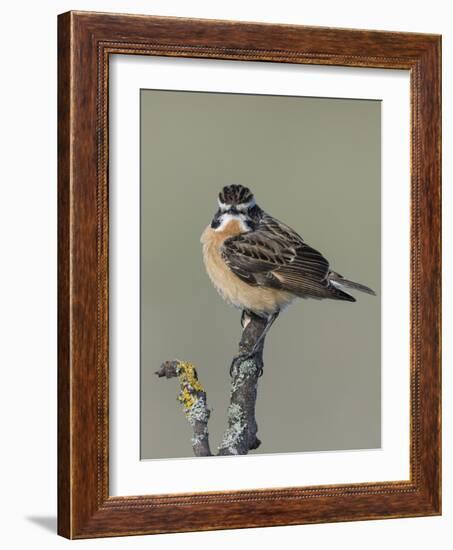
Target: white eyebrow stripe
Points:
(243, 206)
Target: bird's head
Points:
(236, 202)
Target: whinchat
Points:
(260, 265)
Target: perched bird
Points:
(260, 265)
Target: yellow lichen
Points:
(190, 386)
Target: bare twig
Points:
(240, 435)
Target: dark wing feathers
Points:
(275, 256)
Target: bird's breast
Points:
(260, 300)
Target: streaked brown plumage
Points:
(260, 264)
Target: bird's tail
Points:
(340, 282)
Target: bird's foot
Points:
(237, 360)
(241, 357)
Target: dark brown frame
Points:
(85, 42)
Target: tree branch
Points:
(240, 435)
(193, 399)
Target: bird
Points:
(260, 265)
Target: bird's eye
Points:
(216, 219)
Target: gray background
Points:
(313, 163)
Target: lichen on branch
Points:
(193, 400)
(240, 435)
(190, 386)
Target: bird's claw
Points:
(237, 360)
(243, 357)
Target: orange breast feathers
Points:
(260, 300)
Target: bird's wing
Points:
(274, 255)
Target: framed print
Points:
(290, 172)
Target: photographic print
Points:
(260, 274)
(248, 275)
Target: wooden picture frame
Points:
(85, 42)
